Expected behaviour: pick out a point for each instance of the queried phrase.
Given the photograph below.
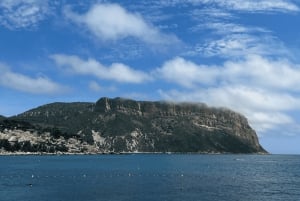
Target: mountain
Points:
(2, 117)
(123, 125)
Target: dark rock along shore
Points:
(123, 125)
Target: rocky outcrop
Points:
(122, 125)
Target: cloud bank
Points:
(265, 90)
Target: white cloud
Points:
(249, 102)
(186, 73)
(20, 82)
(214, 13)
(112, 22)
(94, 86)
(265, 90)
(250, 98)
(259, 5)
(277, 74)
(240, 45)
(243, 98)
(227, 38)
(265, 121)
(16, 14)
(230, 39)
(253, 70)
(136, 96)
(116, 71)
(244, 5)
(230, 28)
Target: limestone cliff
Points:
(122, 125)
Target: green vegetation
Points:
(26, 146)
(2, 118)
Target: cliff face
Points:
(122, 125)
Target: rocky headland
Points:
(127, 126)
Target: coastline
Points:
(120, 153)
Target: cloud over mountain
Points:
(265, 90)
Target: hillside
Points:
(122, 125)
(2, 117)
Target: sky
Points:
(240, 54)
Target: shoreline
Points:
(121, 153)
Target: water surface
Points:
(150, 177)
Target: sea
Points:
(150, 177)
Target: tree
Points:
(4, 143)
(27, 146)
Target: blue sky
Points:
(239, 54)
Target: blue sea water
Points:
(150, 177)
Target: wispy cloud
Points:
(258, 5)
(111, 22)
(20, 82)
(116, 72)
(230, 39)
(241, 5)
(96, 87)
(211, 13)
(240, 45)
(255, 86)
(224, 27)
(17, 14)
